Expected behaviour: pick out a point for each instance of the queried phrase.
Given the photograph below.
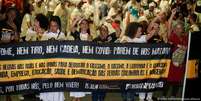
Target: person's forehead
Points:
(139, 28)
(84, 22)
(104, 29)
(178, 26)
(53, 22)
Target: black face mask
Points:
(138, 1)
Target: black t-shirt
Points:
(156, 39)
(76, 35)
(112, 37)
(100, 40)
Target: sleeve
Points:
(69, 36)
(124, 39)
(28, 18)
(76, 35)
(44, 37)
(61, 36)
(31, 35)
(56, 11)
(28, 36)
(142, 39)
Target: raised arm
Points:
(75, 22)
(151, 34)
(153, 28)
(151, 25)
(170, 21)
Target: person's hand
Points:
(118, 32)
(77, 19)
(174, 11)
(158, 17)
(153, 32)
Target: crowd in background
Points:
(95, 16)
(107, 21)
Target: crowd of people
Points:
(106, 21)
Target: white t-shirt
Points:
(125, 39)
(31, 35)
(141, 39)
(56, 36)
(84, 36)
